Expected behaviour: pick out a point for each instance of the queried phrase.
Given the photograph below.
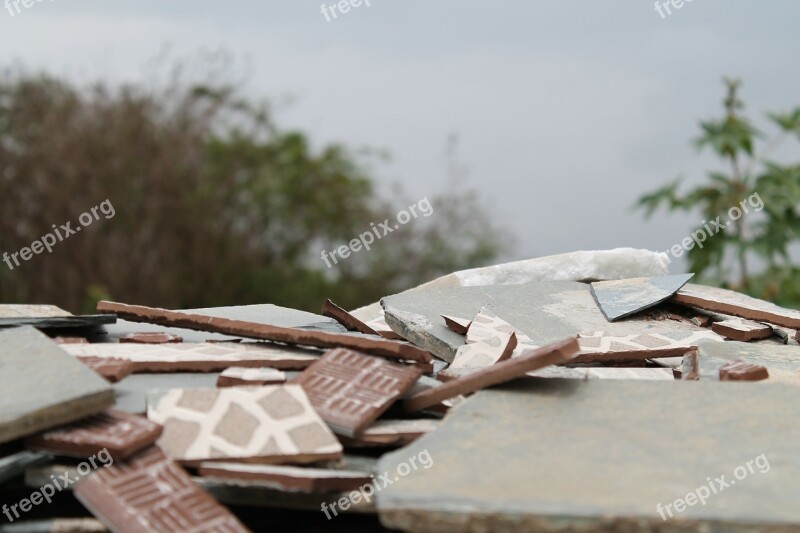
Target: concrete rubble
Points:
(589, 391)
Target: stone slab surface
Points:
(42, 386)
(598, 456)
(562, 309)
(624, 297)
(782, 361)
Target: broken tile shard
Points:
(395, 433)
(287, 478)
(150, 337)
(121, 434)
(741, 371)
(458, 325)
(150, 493)
(42, 386)
(113, 369)
(742, 330)
(270, 424)
(598, 347)
(242, 328)
(552, 354)
(239, 376)
(350, 322)
(350, 390)
(197, 357)
(736, 304)
(620, 298)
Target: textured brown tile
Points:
(391, 433)
(122, 434)
(111, 368)
(269, 424)
(742, 330)
(240, 328)
(741, 371)
(351, 390)
(151, 494)
(552, 354)
(736, 304)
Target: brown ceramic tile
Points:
(150, 337)
(197, 357)
(736, 304)
(459, 325)
(111, 368)
(741, 371)
(331, 310)
(287, 478)
(552, 354)
(150, 493)
(742, 330)
(351, 390)
(240, 328)
(239, 376)
(597, 346)
(394, 433)
(122, 434)
(269, 424)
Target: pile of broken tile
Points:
(573, 392)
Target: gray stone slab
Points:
(782, 361)
(55, 322)
(544, 311)
(42, 386)
(624, 297)
(567, 455)
(132, 391)
(15, 464)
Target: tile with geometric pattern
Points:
(269, 424)
(197, 357)
(351, 390)
(151, 493)
(596, 346)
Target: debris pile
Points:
(581, 392)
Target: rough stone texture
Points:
(736, 304)
(42, 386)
(624, 297)
(567, 455)
(30, 311)
(562, 309)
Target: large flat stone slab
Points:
(624, 297)
(42, 386)
(782, 361)
(601, 456)
(544, 311)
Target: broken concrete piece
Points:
(597, 346)
(624, 297)
(350, 322)
(198, 357)
(552, 354)
(544, 312)
(736, 304)
(270, 424)
(149, 492)
(239, 376)
(741, 371)
(742, 330)
(43, 387)
(287, 478)
(572, 435)
(121, 434)
(350, 390)
(150, 337)
(298, 336)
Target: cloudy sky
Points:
(566, 111)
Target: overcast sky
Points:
(566, 110)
